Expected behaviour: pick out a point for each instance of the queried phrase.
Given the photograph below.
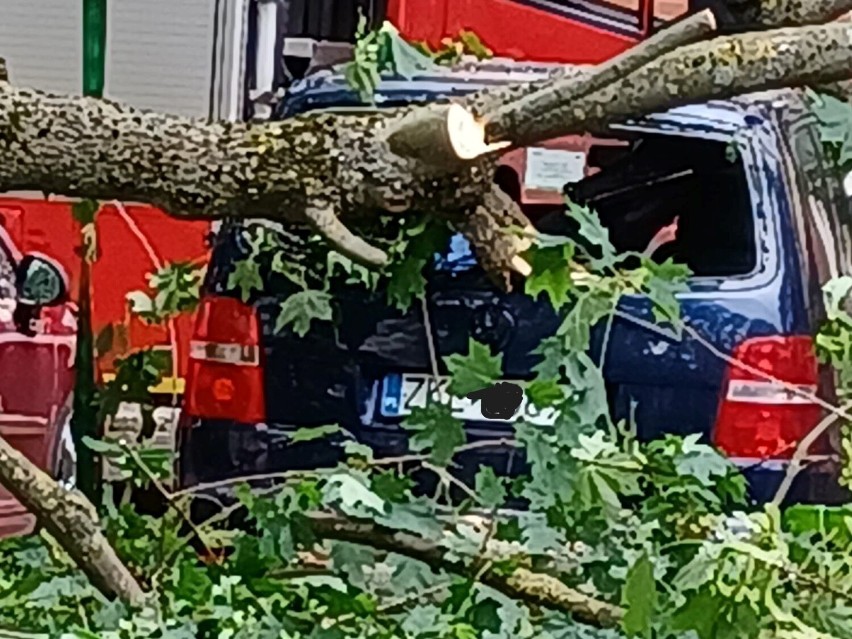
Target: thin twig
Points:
(503, 442)
(796, 463)
(168, 496)
(430, 338)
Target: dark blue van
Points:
(760, 219)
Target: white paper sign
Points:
(551, 169)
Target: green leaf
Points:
(639, 597)
(490, 487)
(406, 282)
(661, 284)
(316, 432)
(485, 615)
(835, 292)
(391, 485)
(544, 393)
(436, 430)
(354, 496)
(421, 240)
(177, 288)
(593, 233)
(103, 447)
(246, 278)
(474, 371)
(551, 273)
(85, 211)
(140, 303)
(699, 614)
(590, 307)
(301, 308)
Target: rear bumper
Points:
(816, 483)
(213, 451)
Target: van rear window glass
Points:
(694, 187)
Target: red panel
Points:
(509, 28)
(123, 262)
(422, 20)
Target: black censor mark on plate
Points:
(500, 401)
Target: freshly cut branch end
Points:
(467, 134)
(441, 136)
(520, 265)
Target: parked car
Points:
(37, 335)
(759, 225)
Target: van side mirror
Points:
(40, 281)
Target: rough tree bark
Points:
(522, 584)
(324, 170)
(72, 521)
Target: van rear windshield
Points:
(695, 188)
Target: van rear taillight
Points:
(767, 407)
(225, 377)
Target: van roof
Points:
(329, 89)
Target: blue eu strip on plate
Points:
(392, 395)
(458, 257)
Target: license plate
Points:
(403, 393)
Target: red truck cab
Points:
(37, 337)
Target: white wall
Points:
(42, 41)
(176, 56)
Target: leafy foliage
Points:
(174, 289)
(383, 51)
(301, 308)
(835, 127)
(453, 50)
(478, 369)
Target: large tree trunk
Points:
(324, 170)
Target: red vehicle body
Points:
(124, 260)
(36, 384)
(570, 31)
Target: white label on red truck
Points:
(551, 169)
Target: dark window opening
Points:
(697, 188)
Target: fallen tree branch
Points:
(566, 90)
(772, 14)
(716, 69)
(522, 584)
(70, 519)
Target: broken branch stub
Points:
(441, 136)
(323, 219)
